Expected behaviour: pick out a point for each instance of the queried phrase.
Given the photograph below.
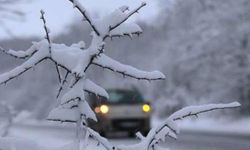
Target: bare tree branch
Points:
(62, 84)
(58, 73)
(47, 31)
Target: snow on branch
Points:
(83, 11)
(126, 29)
(126, 70)
(72, 112)
(47, 31)
(77, 91)
(103, 141)
(61, 114)
(74, 93)
(20, 54)
(196, 110)
(169, 127)
(115, 25)
(125, 17)
(31, 62)
(95, 89)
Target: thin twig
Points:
(46, 29)
(62, 84)
(58, 73)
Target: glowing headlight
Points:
(146, 108)
(104, 109)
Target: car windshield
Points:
(124, 97)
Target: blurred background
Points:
(203, 47)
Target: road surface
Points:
(53, 137)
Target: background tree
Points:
(7, 12)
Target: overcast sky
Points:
(60, 13)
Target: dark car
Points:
(125, 110)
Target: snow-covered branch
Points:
(126, 29)
(61, 114)
(83, 11)
(126, 17)
(103, 141)
(126, 70)
(95, 89)
(20, 54)
(47, 31)
(196, 110)
(169, 127)
(31, 62)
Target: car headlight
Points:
(146, 108)
(104, 109)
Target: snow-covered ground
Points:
(48, 136)
(202, 133)
(236, 127)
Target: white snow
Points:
(86, 111)
(12, 143)
(75, 59)
(63, 115)
(109, 63)
(20, 53)
(126, 29)
(195, 110)
(74, 93)
(91, 87)
(217, 125)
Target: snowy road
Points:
(51, 137)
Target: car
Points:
(125, 110)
